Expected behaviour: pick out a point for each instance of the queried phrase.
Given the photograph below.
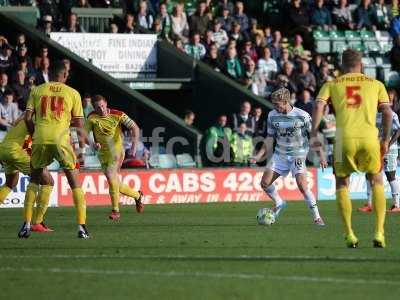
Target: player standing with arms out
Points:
(15, 158)
(356, 99)
(289, 127)
(106, 125)
(56, 106)
(389, 165)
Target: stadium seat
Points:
(339, 46)
(369, 66)
(54, 166)
(384, 67)
(163, 161)
(185, 161)
(96, 19)
(372, 46)
(92, 162)
(352, 35)
(322, 41)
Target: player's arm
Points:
(266, 150)
(134, 131)
(30, 110)
(395, 137)
(77, 121)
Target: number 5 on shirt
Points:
(353, 98)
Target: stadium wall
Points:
(191, 186)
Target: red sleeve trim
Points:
(116, 112)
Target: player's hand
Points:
(97, 146)
(384, 147)
(323, 163)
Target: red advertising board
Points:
(185, 186)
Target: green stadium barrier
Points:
(27, 14)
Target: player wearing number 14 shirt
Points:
(289, 127)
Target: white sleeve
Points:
(270, 129)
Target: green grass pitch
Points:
(214, 251)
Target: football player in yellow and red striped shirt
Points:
(106, 125)
(356, 99)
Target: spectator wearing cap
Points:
(6, 61)
(382, 15)
(298, 16)
(72, 24)
(46, 25)
(199, 21)
(21, 89)
(275, 46)
(213, 58)
(143, 17)
(220, 37)
(304, 78)
(241, 17)
(44, 52)
(232, 66)
(365, 16)
(3, 84)
(130, 25)
(267, 65)
(342, 16)
(8, 110)
(180, 25)
(321, 16)
(195, 49)
(226, 19)
(42, 75)
(305, 101)
(244, 116)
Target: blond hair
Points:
(282, 94)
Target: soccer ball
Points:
(265, 216)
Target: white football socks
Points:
(312, 204)
(273, 194)
(394, 187)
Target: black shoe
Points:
(24, 232)
(83, 233)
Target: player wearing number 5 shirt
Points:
(356, 99)
(56, 106)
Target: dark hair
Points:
(56, 68)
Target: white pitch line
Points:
(248, 276)
(204, 257)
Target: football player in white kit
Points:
(389, 165)
(289, 127)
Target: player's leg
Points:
(6, 188)
(302, 183)
(124, 189)
(345, 209)
(113, 189)
(395, 189)
(379, 206)
(368, 206)
(79, 202)
(42, 203)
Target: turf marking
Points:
(245, 276)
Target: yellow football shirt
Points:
(355, 99)
(54, 105)
(107, 130)
(17, 134)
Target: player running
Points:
(389, 165)
(106, 125)
(56, 105)
(289, 127)
(15, 158)
(356, 99)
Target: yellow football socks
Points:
(344, 203)
(379, 206)
(30, 196)
(114, 194)
(42, 203)
(4, 191)
(127, 191)
(80, 205)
